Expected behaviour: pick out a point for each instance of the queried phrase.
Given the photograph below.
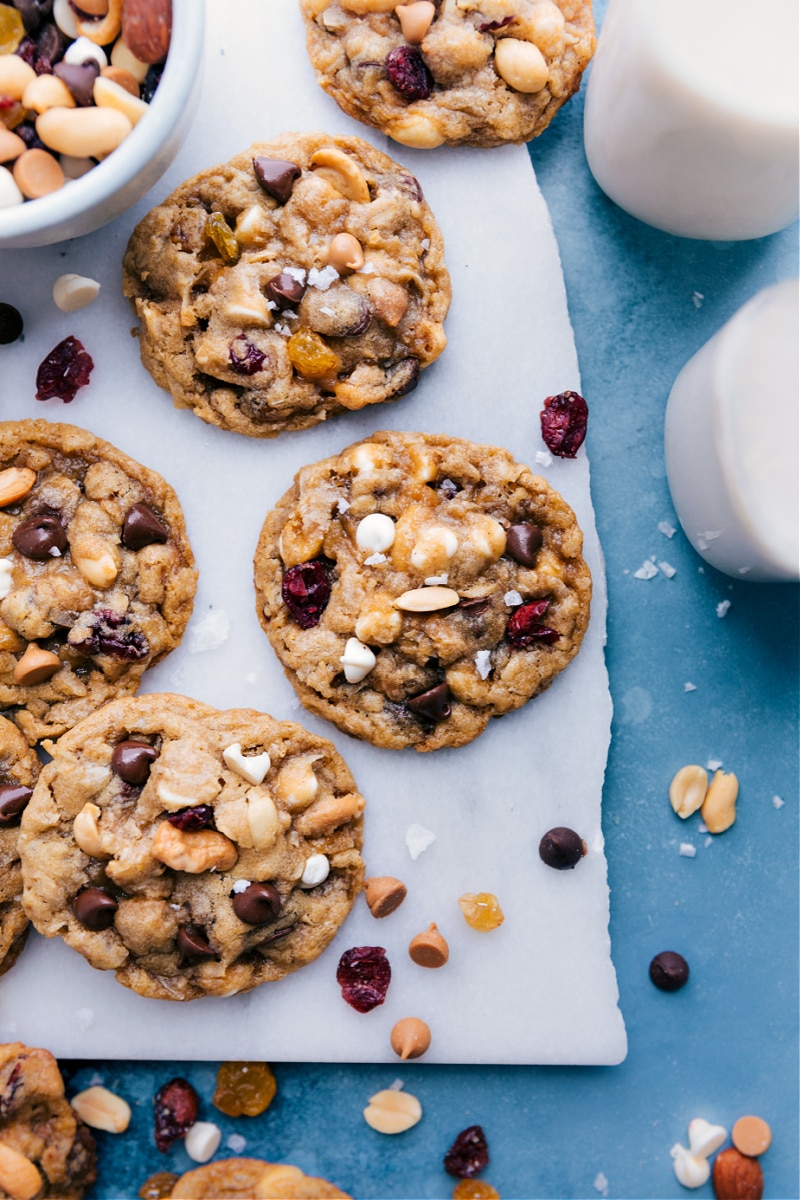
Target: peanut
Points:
(384, 894)
(262, 818)
(392, 1111)
(15, 482)
(11, 145)
(416, 131)
(521, 65)
(18, 1175)
(410, 1038)
(341, 172)
(108, 94)
(38, 173)
(15, 75)
(719, 807)
(99, 1108)
(427, 599)
(688, 789)
(83, 132)
(47, 91)
(35, 666)
(97, 565)
(123, 77)
(328, 814)
(203, 850)
(86, 833)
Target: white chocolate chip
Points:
(81, 50)
(705, 1138)
(375, 533)
(253, 769)
(99, 1108)
(690, 1172)
(315, 871)
(374, 560)
(202, 1141)
(6, 569)
(357, 660)
(392, 1111)
(72, 292)
(9, 192)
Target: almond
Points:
(736, 1177)
(146, 28)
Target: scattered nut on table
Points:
(392, 1111)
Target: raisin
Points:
(158, 1186)
(176, 1107)
(111, 633)
(244, 1089)
(12, 30)
(220, 233)
(475, 1189)
(524, 626)
(65, 369)
(408, 73)
(199, 816)
(564, 419)
(244, 357)
(481, 911)
(364, 975)
(306, 590)
(310, 357)
(151, 81)
(468, 1155)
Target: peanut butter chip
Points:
(38, 173)
(384, 894)
(35, 666)
(429, 949)
(410, 1038)
(751, 1136)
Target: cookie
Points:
(304, 277)
(41, 1138)
(19, 770)
(193, 852)
(97, 577)
(481, 72)
(251, 1179)
(415, 586)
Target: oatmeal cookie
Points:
(482, 72)
(41, 1138)
(97, 577)
(193, 852)
(252, 1179)
(415, 586)
(19, 770)
(303, 277)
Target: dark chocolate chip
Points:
(94, 907)
(37, 537)
(79, 79)
(142, 527)
(132, 761)
(277, 177)
(276, 935)
(259, 904)
(669, 971)
(193, 946)
(11, 324)
(474, 606)
(523, 542)
(13, 800)
(285, 290)
(562, 848)
(433, 705)
(32, 12)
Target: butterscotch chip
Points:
(429, 949)
(751, 1136)
(19, 770)
(384, 895)
(410, 1037)
(244, 1178)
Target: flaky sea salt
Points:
(713, 764)
(342, 505)
(210, 632)
(690, 687)
(297, 273)
(240, 886)
(687, 850)
(777, 802)
(601, 1183)
(236, 1143)
(322, 279)
(543, 459)
(648, 570)
(375, 559)
(512, 598)
(722, 608)
(482, 663)
(667, 569)
(697, 299)
(668, 530)
(418, 838)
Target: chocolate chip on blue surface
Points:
(562, 848)
(194, 946)
(258, 904)
(142, 527)
(94, 907)
(11, 324)
(276, 176)
(41, 537)
(669, 971)
(523, 543)
(285, 290)
(433, 705)
(132, 761)
(14, 799)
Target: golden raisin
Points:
(221, 234)
(12, 116)
(474, 1189)
(244, 1089)
(310, 357)
(481, 911)
(158, 1186)
(12, 31)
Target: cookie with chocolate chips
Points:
(304, 277)
(481, 72)
(19, 770)
(242, 1178)
(415, 586)
(97, 577)
(193, 852)
(46, 1150)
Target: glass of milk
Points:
(691, 118)
(732, 441)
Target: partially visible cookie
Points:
(97, 577)
(414, 586)
(304, 277)
(19, 770)
(194, 852)
(481, 72)
(252, 1179)
(40, 1135)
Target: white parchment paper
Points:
(541, 989)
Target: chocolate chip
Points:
(259, 904)
(669, 971)
(434, 704)
(276, 177)
(11, 324)
(562, 848)
(94, 907)
(474, 606)
(523, 543)
(79, 79)
(142, 527)
(276, 935)
(13, 800)
(285, 290)
(193, 946)
(132, 761)
(37, 537)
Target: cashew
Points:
(392, 1111)
(427, 599)
(99, 1108)
(328, 814)
(719, 807)
(297, 784)
(18, 1175)
(15, 482)
(521, 65)
(389, 301)
(688, 790)
(416, 131)
(341, 172)
(262, 818)
(415, 19)
(203, 850)
(102, 33)
(86, 833)
(96, 562)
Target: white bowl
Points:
(123, 178)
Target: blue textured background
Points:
(727, 1044)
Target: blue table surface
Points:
(641, 302)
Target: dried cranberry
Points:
(564, 419)
(468, 1155)
(493, 26)
(364, 975)
(66, 369)
(199, 816)
(524, 625)
(111, 633)
(244, 357)
(306, 590)
(176, 1107)
(406, 69)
